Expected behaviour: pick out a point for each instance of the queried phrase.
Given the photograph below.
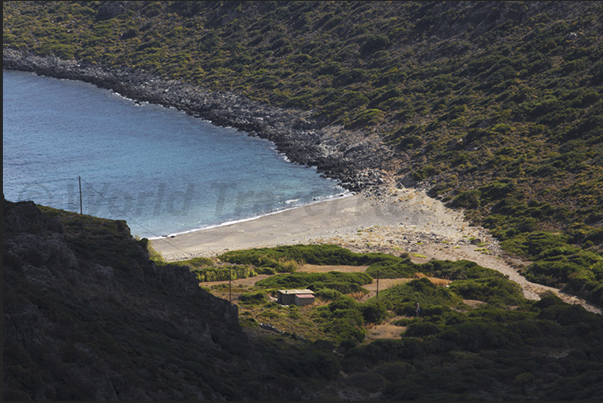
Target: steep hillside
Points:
(494, 107)
(87, 316)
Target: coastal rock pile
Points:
(337, 153)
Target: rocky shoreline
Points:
(354, 159)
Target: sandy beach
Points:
(344, 218)
(402, 220)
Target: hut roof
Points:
(296, 292)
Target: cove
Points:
(162, 171)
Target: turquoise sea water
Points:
(159, 169)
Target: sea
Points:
(161, 170)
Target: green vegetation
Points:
(224, 273)
(402, 299)
(484, 348)
(151, 325)
(498, 106)
(384, 265)
(451, 351)
(345, 283)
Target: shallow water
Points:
(159, 169)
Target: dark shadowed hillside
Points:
(87, 316)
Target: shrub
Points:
(393, 268)
(369, 117)
(224, 273)
(253, 298)
(374, 44)
(373, 313)
(316, 280)
(348, 77)
(328, 293)
(469, 199)
(530, 245)
(497, 189)
(403, 298)
(197, 262)
(422, 329)
(492, 290)
(370, 381)
(344, 288)
(458, 270)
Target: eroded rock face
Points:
(29, 219)
(337, 153)
(76, 328)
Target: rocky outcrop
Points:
(78, 327)
(337, 153)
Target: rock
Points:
(335, 151)
(26, 217)
(454, 144)
(110, 9)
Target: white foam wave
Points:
(342, 195)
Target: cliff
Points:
(88, 317)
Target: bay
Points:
(162, 171)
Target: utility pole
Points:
(80, 180)
(230, 285)
(377, 285)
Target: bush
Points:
(422, 329)
(197, 262)
(265, 270)
(492, 290)
(393, 268)
(253, 298)
(469, 199)
(373, 313)
(224, 273)
(344, 288)
(458, 270)
(369, 117)
(530, 245)
(370, 381)
(374, 44)
(316, 280)
(329, 294)
(403, 298)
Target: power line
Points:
(132, 219)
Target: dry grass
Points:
(385, 331)
(439, 281)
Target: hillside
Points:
(87, 316)
(494, 107)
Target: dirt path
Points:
(398, 221)
(423, 247)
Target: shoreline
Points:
(399, 221)
(355, 160)
(242, 220)
(358, 162)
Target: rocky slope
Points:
(88, 317)
(349, 156)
